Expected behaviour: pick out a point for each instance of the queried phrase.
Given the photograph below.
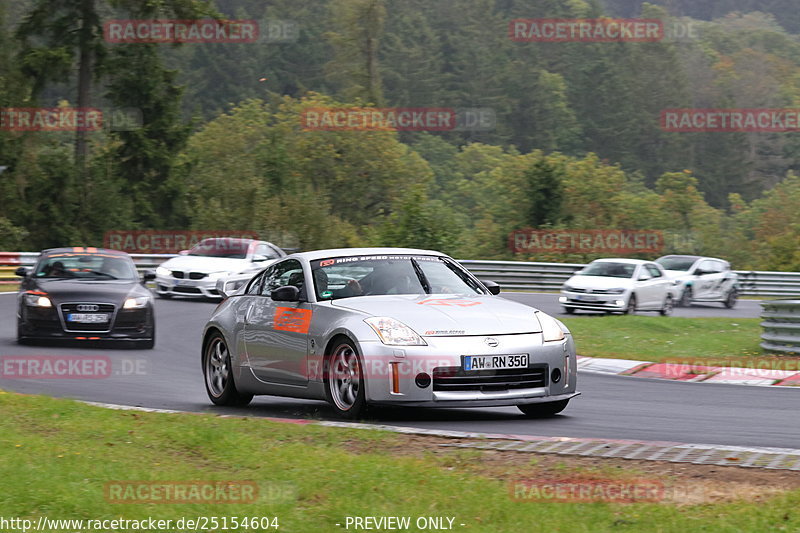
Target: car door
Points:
(660, 283)
(648, 288)
(276, 333)
(705, 276)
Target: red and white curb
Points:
(676, 452)
(690, 372)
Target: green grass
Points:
(658, 338)
(57, 455)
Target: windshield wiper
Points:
(422, 279)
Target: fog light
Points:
(555, 375)
(619, 302)
(422, 380)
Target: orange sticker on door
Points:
(291, 319)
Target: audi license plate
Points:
(495, 362)
(88, 318)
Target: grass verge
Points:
(657, 338)
(56, 457)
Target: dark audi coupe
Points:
(85, 294)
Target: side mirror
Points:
(148, 275)
(21, 272)
(493, 287)
(287, 293)
(258, 258)
(645, 277)
(183, 252)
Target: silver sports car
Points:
(362, 326)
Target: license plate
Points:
(495, 362)
(586, 298)
(88, 318)
(184, 283)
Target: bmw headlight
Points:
(136, 303)
(551, 330)
(162, 271)
(37, 299)
(616, 291)
(394, 332)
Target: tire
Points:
(569, 310)
(666, 310)
(218, 374)
(344, 380)
(543, 410)
(631, 307)
(21, 340)
(686, 297)
(730, 300)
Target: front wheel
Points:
(569, 310)
(730, 300)
(631, 307)
(344, 380)
(543, 410)
(218, 374)
(666, 309)
(686, 297)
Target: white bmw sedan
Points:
(618, 286)
(194, 273)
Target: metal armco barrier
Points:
(511, 275)
(781, 326)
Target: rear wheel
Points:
(218, 374)
(730, 300)
(686, 297)
(344, 380)
(543, 410)
(666, 309)
(631, 307)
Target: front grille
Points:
(454, 378)
(177, 274)
(108, 309)
(197, 275)
(187, 290)
(590, 291)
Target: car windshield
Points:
(676, 263)
(86, 267)
(229, 248)
(345, 277)
(610, 270)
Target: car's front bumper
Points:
(192, 288)
(392, 373)
(595, 302)
(35, 323)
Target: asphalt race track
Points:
(170, 377)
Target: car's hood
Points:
(101, 291)
(448, 315)
(196, 263)
(599, 282)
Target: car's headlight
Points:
(35, 299)
(219, 275)
(162, 271)
(616, 291)
(551, 331)
(566, 288)
(136, 303)
(394, 332)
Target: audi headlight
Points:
(136, 303)
(394, 332)
(162, 271)
(616, 291)
(551, 330)
(35, 299)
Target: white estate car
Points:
(701, 279)
(194, 273)
(618, 286)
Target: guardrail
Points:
(511, 275)
(781, 326)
